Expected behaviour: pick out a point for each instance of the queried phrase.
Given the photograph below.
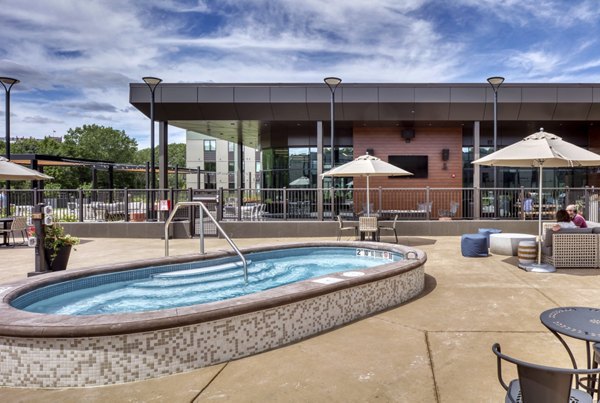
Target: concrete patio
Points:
(436, 348)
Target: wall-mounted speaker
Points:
(408, 135)
(445, 154)
(370, 151)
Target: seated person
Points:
(563, 220)
(577, 218)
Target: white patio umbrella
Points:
(542, 150)
(367, 165)
(301, 181)
(10, 171)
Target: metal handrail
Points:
(202, 210)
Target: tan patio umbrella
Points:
(10, 171)
(542, 150)
(367, 165)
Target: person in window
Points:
(563, 220)
(577, 218)
(528, 204)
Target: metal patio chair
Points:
(19, 224)
(390, 229)
(541, 384)
(342, 227)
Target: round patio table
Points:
(578, 322)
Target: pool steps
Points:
(201, 270)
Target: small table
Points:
(508, 243)
(577, 322)
(6, 225)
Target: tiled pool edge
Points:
(102, 360)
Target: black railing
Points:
(108, 205)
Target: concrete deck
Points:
(433, 349)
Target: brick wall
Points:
(387, 141)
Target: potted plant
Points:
(58, 246)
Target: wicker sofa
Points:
(572, 247)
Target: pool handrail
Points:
(219, 228)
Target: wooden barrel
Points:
(527, 252)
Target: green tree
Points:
(99, 143)
(176, 156)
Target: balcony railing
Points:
(109, 205)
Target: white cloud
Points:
(76, 59)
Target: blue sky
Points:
(75, 59)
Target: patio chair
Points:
(368, 225)
(541, 384)
(19, 224)
(451, 212)
(342, 228)
(390, 229)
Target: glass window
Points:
(231, 146)
(231, 166)
(210, 145)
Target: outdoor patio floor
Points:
(436, 348)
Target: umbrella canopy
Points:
(301, 181)
(367, 165)
(541, 150)
(14, 172)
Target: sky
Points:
(75, 59)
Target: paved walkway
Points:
(436, 348)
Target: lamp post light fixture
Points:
(152, 83)
(332, 83)
(7, 83)
(495, 82)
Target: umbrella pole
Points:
(541, 209)
(368, 204)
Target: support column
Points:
(240, 164)
(476, 171)
(163, 155)
(319, 169)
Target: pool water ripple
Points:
(198, 286)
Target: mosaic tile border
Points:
(79, 361)
(95, 361)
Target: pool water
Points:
(172, 286)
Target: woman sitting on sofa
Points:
(563, 220)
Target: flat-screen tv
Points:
(416, 164)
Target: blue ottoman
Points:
(474, 245)
(487, 232)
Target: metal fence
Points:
(107, 205)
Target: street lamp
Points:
(495, 82)
(332, 83)
(7, 83)
(152, 83)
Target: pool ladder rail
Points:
(203, 210)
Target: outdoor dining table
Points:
(6, 221)
(580, 323)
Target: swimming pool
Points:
(172, 286)
(52, 350)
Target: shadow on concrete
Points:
(415, 241)
(514, 261)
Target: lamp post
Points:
(495, 82)
(152, 83)
(7, 83)
(332, 83)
